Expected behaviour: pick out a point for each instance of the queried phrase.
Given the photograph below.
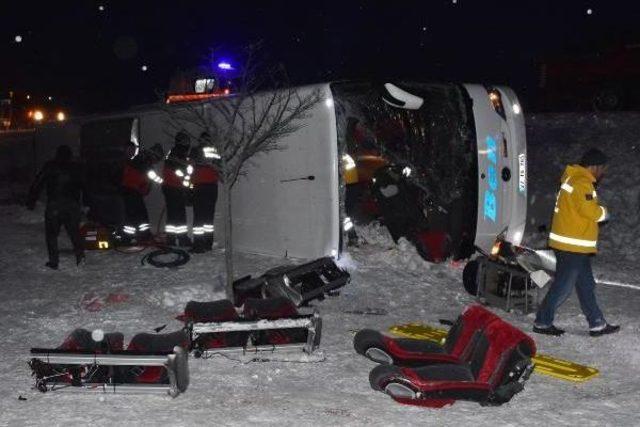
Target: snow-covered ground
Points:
(113, 291)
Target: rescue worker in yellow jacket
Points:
(574, 238)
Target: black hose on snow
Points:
(166, 256)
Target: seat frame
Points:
(464, 328)
(255, 321)
(488, 387)
(175, 363)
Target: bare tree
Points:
(262, 110)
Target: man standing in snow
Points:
(176, 176)
(137, 175)
(574, 237)
(62, 179)
(205, 192)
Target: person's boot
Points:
(184, 241)
(145, 237)
(171, 240)
(208, 242)
(548, 330)
(604, 330)
(121, 239)
(198, 245)
(52, 265)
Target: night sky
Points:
(89, 55)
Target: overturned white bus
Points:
(459, 148)
(443, 165)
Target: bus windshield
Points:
(415, 162)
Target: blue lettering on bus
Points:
(490, 206)
(491, 150)
(492, 178)
(490, 199)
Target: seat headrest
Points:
(473, 318)
(211, 311)
(82, 340)
(153, 343)
(269, 308)
(478, 316)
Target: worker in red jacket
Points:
(176, 176)
(137, 176)
(205, 192)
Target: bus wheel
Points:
(470, 277)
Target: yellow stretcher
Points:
(544, 364)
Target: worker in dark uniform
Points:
(205, 192)
(137, 176)
(176, 176)
(62, 179)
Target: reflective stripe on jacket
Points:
(577, 213)
(173, 174)
(177, 171)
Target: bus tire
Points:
(470, 277)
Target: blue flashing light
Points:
(225, 66)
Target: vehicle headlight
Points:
(516, 109)
(496, 102)
(495, 250)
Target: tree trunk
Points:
(228, 241)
